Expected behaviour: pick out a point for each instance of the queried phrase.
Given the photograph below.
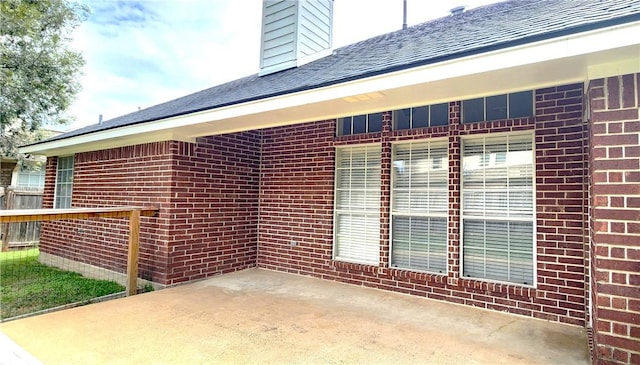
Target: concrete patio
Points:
(263, 317)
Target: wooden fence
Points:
(133, 213)
(23, 234)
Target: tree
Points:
(38, 70)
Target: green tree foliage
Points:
(38, 70)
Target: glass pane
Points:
(496, 107)
(344, 126)
(473, 110)
(375, 122)
(420, 117)
(402, 119)
(419, 243)
(439, 114)
(521, 104)
(359, 124)
(498, 250)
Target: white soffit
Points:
(574, 58)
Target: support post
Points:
(132, 259)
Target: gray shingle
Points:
(475, 31)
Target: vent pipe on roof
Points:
(457, 10)
(100, 119)
(404, 15)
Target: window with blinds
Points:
(498, 208)
(357, 204)
(64, 182)
(419, 200)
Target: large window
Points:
(498, 208)
(419, 206)
(64, 182)
(357, 205)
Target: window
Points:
(422, 116)
(498, 208)
(31, 177)
(64, 182)
(419, 206)
(357, 204)
(365, 123)
(514, 105)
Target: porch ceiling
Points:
(259, 316)
(575, 58)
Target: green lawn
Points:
(28, 286)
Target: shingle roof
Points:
(475, 31)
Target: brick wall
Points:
(296, 196)
(207, 198)
(214, 206)
(134, 175)
(615, 217)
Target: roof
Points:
(476, 31)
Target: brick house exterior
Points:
(264, 195)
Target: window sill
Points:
(344, 265)
(491, 287)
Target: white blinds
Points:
(419, 206)
(357, 212)
(497, 208)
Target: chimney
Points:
(294, 32)
(457, 10)
(100, 119)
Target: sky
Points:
(141, 53)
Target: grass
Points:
(28, 286)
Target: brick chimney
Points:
(294, 32)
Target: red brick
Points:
(613, 92)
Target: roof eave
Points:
(486, 60)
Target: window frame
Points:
(394, 120)
(508, 105)
(337, 212)
(392, 214)
(340, 124)
(533, 218)
(58, 183)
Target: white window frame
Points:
(58, 183)
(393, 213)
(337, 212)
(499, 219)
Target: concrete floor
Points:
(264, 317)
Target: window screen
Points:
(497, 208)
(419, 206)
(357, 205)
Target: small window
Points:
(498, 107)
(473, 110)
(64, 182)
(421, 116)
(439, 114)
(31, 177)
(521, 104)
(358, 124)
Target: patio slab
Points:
(263, 317)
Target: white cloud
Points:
(141, 53)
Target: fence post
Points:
(132, 259)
